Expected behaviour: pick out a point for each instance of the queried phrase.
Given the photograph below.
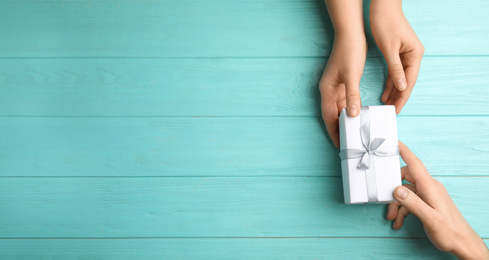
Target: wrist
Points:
(347, 18)
(385, 7)
(473, 248)
(350, 40)
(350, 34)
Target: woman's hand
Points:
(340, 83)
(428, 199)
(401, 47)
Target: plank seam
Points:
(229, 116)
(168, 238)
(207, 177)
(229, 57)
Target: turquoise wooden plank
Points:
(209, 207)
(283, 248)
(221, 87)
(222, 146)
(131, 28)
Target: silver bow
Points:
(369, 148)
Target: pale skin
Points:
(339, 86)
(402, 50)
(428, 199)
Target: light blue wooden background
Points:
(137, 129)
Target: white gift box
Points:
(370, 172)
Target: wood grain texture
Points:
(209, 207)
(242, 146)
(222, 87)
(218, 28)
(190, 130)
(241, 248)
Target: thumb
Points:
(413, 203)
(396, 70)
(353, 100)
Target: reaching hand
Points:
(401, 47)
(340, 83)
(428, 199)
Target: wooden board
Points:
(209, 207)
(221, 248)
(222, 87)
(221, 146)
(218, 28)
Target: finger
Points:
(402, 99)
(341, 104)
(396, 69)
(393, 96)
(392, 210)
(406, 175)
(414, 204)
(412, 72)
(330, 117)
(389, 85)
(401, 214)
(412, 63)
(402, 211)
(329, 111)
(353, 101)
(412, 187)
(416, 168)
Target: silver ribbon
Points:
(370, 148)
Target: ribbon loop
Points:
(376, 143)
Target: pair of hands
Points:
(339, 86)
(428, 199)
(403, 51)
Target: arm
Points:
(340, 83)
(428, 199)
(347, 17)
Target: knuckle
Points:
(352, 95)
(396, 68)
(438, 185)
(421, 49)
(324, 84)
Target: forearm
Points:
(347, 17)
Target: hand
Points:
(340, 83)
(428, 199)
(401, 47)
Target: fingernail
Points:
(352, 110)
(400, 84)
(401, 192)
